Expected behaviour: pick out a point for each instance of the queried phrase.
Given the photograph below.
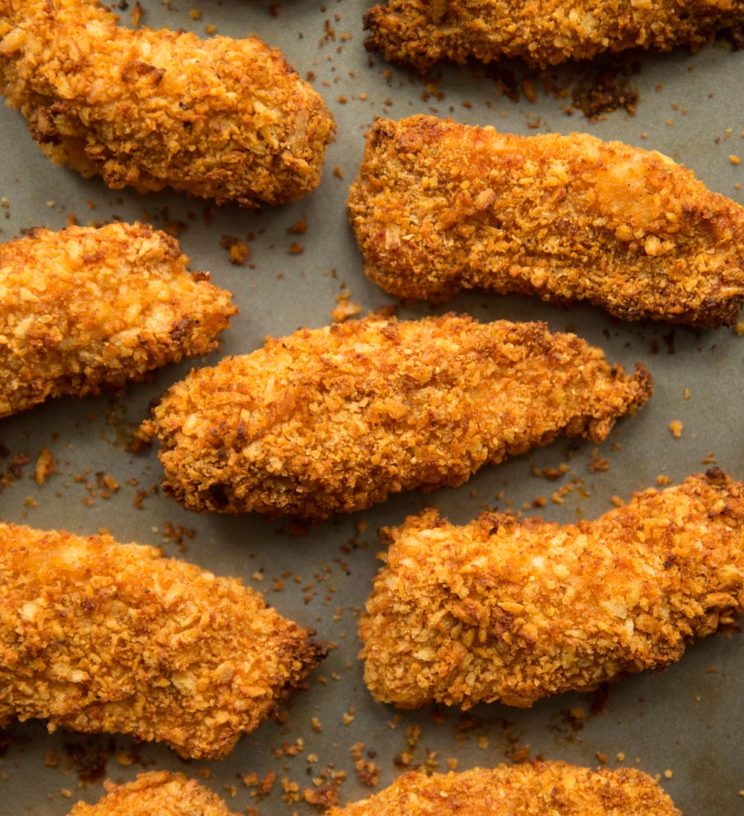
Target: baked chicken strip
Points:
(157, 793)
(221, 118)
(535, 789)
(335, 419)
(84, 308)
(98, 636)
(421, 32)
(513, 611)
(439, 206)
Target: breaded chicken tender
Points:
(439, 206)
(421, 32)
(98, 636)
(221, 118)
(85, 309)
(157, 793)
(513, 611)
(530, 789)
(335, 419)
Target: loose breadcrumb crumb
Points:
(676, 427)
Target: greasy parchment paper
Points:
(683, 723)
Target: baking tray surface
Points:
(683, 723)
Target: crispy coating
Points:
(220, 118)
(84, 308)
(439, 206)
(157, 793)
(421, 32)
(534, 789)
(514, 611)
(334, 420)
(98, 636)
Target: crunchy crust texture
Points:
(99, 636)
(439, 206)
(334, 420)
(223, 119)
(157, 793)
(513, 611)
(84, 308)
(421, 32)
(534, 789)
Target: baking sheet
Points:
(683, 723)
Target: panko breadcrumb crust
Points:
(439, 206)
(85, 309)
(157, 793)
(530, 789)
(335, 419)
(223, 119)
(99, 636)
(513, 611)
(421, 32)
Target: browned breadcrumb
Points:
(367, 770)
(290, 791)
(238, 251)
(439, 206)
(44, 467)
(534, 789)
(299, 227)
(345, 307)
(99, 636)
(85, 309)
(421, 32)
(515, 611)
(335, 419)
(157, 793)
(323, 797)
(221, 118)
(675, 427)
(13, 471)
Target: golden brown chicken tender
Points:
(84, 309)
(220, 118)
(98, 636)
(421, 32)
(333, 420)
(534, 789)
(439, 206)
(157, 793)
(513, 611)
